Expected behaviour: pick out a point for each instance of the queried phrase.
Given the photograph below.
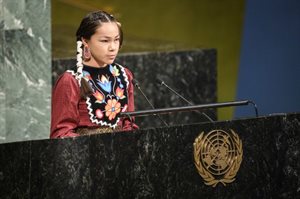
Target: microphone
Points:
(172, 90)
(136, 84)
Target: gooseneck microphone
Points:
(160, 82)
(136, 84)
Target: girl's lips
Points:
(111, 56)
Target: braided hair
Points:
(88, 26)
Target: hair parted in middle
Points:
(88, 26)
(94, 20)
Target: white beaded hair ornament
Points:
(79, 64)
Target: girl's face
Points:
(104, 45)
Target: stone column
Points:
(25, 78)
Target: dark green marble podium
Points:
(154, 163)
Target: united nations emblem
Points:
(218, 156)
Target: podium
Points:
(154, 163)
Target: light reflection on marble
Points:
(26, 71)
(2, 93)
(2, 116)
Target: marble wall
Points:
(25, 78)
(2, 94)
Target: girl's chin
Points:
(110, 61)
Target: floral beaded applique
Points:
(109, 96)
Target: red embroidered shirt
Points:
(69, 111)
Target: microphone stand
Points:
(139, 88)
(176, 93)
(187, 108)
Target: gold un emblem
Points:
(218, 156)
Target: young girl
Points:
(89, 100)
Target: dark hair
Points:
(87, 28)
(94, 20)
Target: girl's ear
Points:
(84, 41)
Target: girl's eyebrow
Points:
(109, 36)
